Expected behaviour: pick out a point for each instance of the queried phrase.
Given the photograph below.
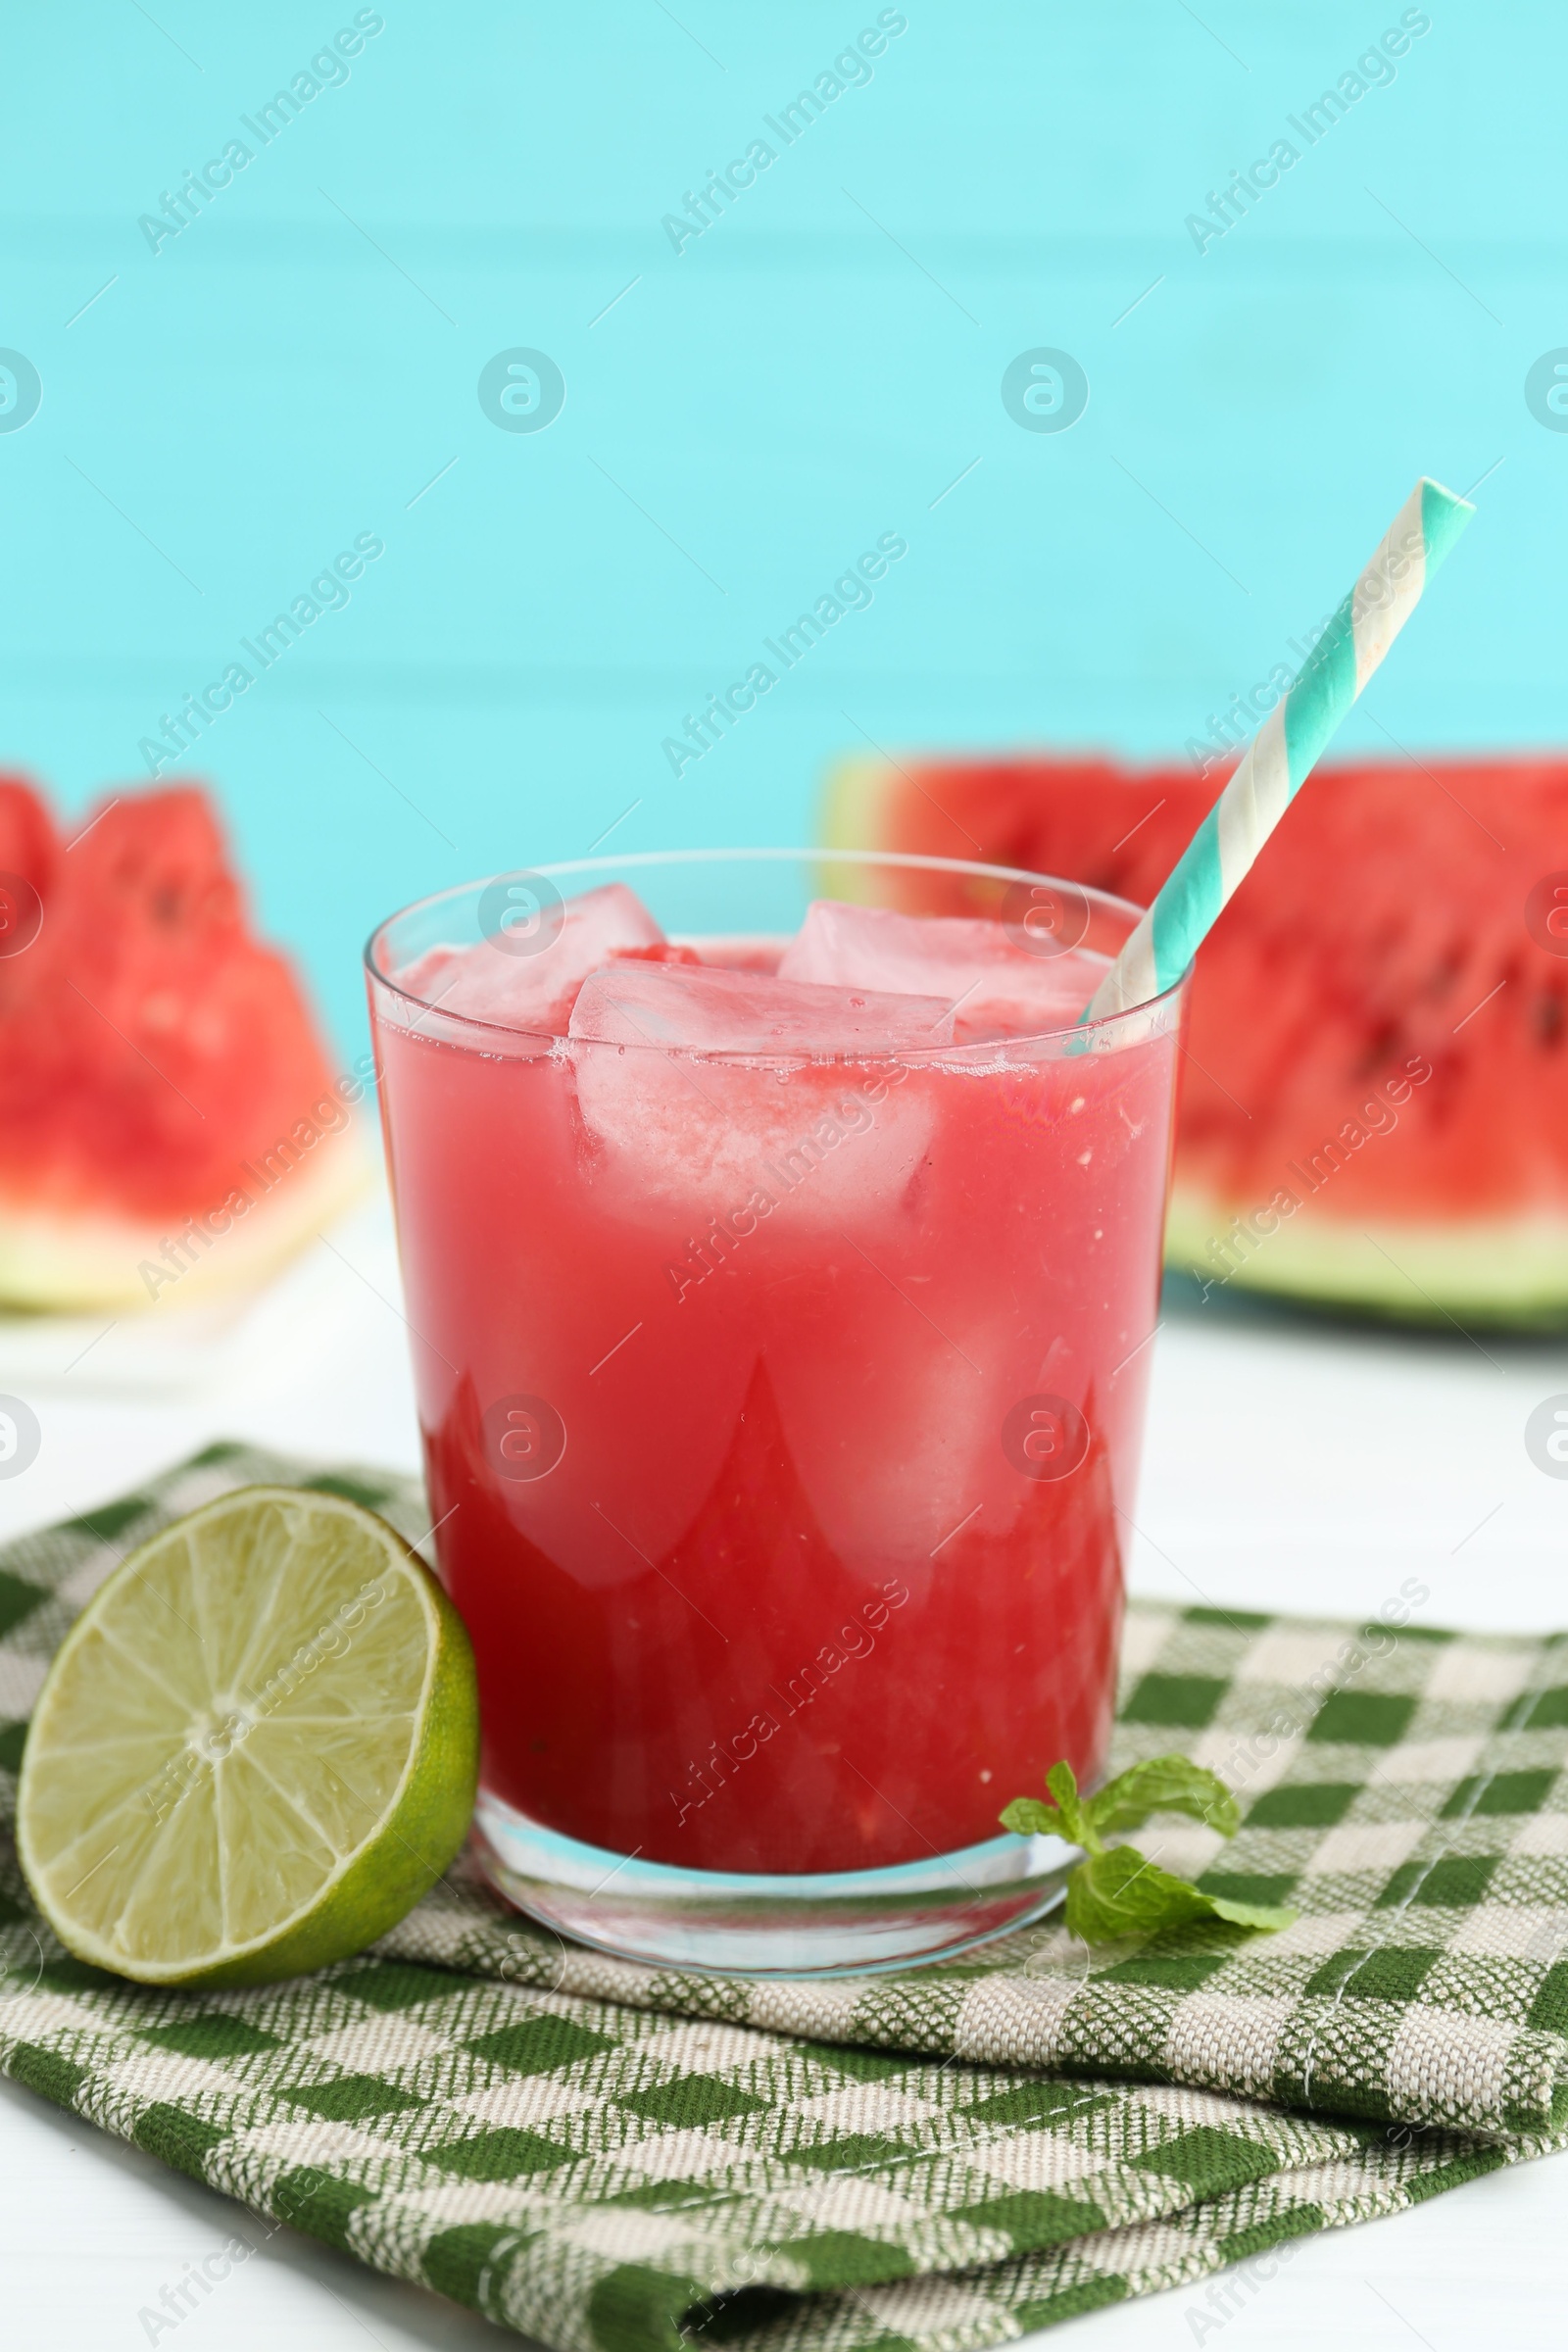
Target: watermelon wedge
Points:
(1375, 1095)
(170, 1123)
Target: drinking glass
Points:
(781, 1417)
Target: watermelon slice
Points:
(169, 1121)
(1375, 1099)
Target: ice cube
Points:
(938, 1365)
(498, 980)
(695, 1088)
(719, 1012)
(993, 987)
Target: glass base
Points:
(740, 1923)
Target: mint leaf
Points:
(1165, 1785)
(1119, 1894)
(1068, 1816)
(1030, 1818)
(1269, 1917)
(1116, 1894)
(1075, 1824)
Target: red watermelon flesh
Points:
(1384, 933)
(154, 1056)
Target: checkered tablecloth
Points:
(615, 2158)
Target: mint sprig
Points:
(1115, 1892)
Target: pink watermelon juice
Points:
(779, 1337)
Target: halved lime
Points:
(255, 1747)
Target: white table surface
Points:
(1288, 1466)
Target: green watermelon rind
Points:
(60, 1263)
(1510, 1273)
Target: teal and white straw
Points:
(1287, 746)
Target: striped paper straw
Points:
(1284, 750)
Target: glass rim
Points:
(1104, 1026)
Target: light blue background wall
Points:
(814, 369)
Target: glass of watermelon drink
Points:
(779, 1267)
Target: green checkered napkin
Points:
(617, 2158)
